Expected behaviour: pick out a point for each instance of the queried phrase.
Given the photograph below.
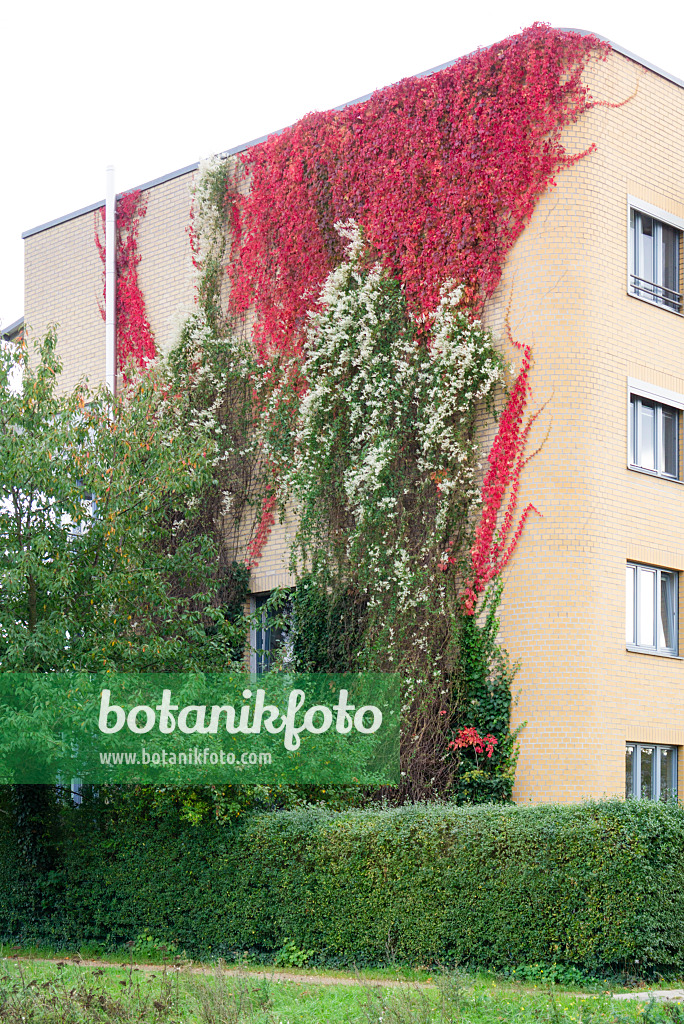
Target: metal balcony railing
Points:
(658, 293)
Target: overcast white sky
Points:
(153, 86)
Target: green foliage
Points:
(209, 237)
(213, 374)
(61, 994)
(37, 823)
(107, 562)
(150, 947)
(485, 678)
(118, 535)
(595, 887)
(550, 974)
(370, 435)
(328, 627)
(292, 956)
(380, 458)
(234, 590)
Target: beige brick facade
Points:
(63, 278)
(63, 285)
(582, 694)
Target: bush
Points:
(596, 886)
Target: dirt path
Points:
(659, 995)
(274, 975)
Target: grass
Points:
(37, 992)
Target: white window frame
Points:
(636, 768)
(635, 205)
(662, 398)
(638, 577)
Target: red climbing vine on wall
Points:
(442, 172)
(494, 544)
(134, 337)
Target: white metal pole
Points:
(110, 283)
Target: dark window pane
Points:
(270, 636)
(668, 778)
(262, 640)
(629, 771)
(646, 774)
(670, 441)
(670, 263)
(666, 625)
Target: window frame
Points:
(664, 399)
(634, 645)
(661, 217)
(636, 770)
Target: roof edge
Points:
(11, 332)
(628, 53)
(96, 206)
(360, 99)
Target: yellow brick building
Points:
(592, 595)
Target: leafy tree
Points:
(117, 547)
(105, 559)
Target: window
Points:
(651, 771)
(270, 633)
(654, 437)
(651, 609)
(655, 271)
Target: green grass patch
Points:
(37, 992)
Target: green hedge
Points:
(600, 885)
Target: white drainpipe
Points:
(110, 280)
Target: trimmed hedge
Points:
(599, 886)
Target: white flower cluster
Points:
(386, 429)
(208, 216)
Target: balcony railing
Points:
(657, 293)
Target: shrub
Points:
(596, 886)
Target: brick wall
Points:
(582, 694)
(63, 279)
(63, 283)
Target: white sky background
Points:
(153, 86)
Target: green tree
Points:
(106, 561)
(116, 542)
